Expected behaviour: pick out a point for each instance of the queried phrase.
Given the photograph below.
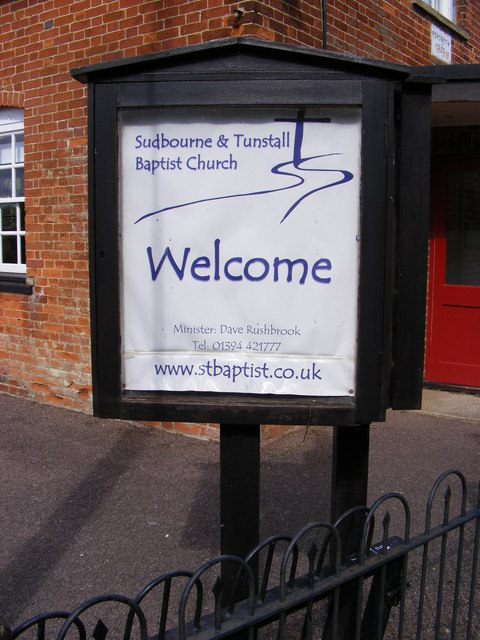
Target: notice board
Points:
(232, 222)
(251, 254)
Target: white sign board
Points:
(441, 45)
(239, 249)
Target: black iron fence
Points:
(300, 586)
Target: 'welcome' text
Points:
(237, 268)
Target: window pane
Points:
(9, 115)
(19, 187)
(5, 150)
(9, 249)
(463, 228)
(19, 156)
(445, 7)
(5, 183)
(12, 190)
(9, 219)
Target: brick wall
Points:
(44, 337)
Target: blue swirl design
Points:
(298, 163)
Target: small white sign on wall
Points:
(240, 249)
(441, 45)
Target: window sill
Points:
(16, 283)
(445, 22)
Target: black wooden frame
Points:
(241, 72)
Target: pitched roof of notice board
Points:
(228, 48)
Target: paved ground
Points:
(89, 505)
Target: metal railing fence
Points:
(421, 587)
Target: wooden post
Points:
(349, 468)
(349, 489)
(239, 496)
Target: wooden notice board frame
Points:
(241, 73)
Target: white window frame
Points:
(445, 8)
(11, 126)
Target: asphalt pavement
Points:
(91, 506)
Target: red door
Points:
(453, 330)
